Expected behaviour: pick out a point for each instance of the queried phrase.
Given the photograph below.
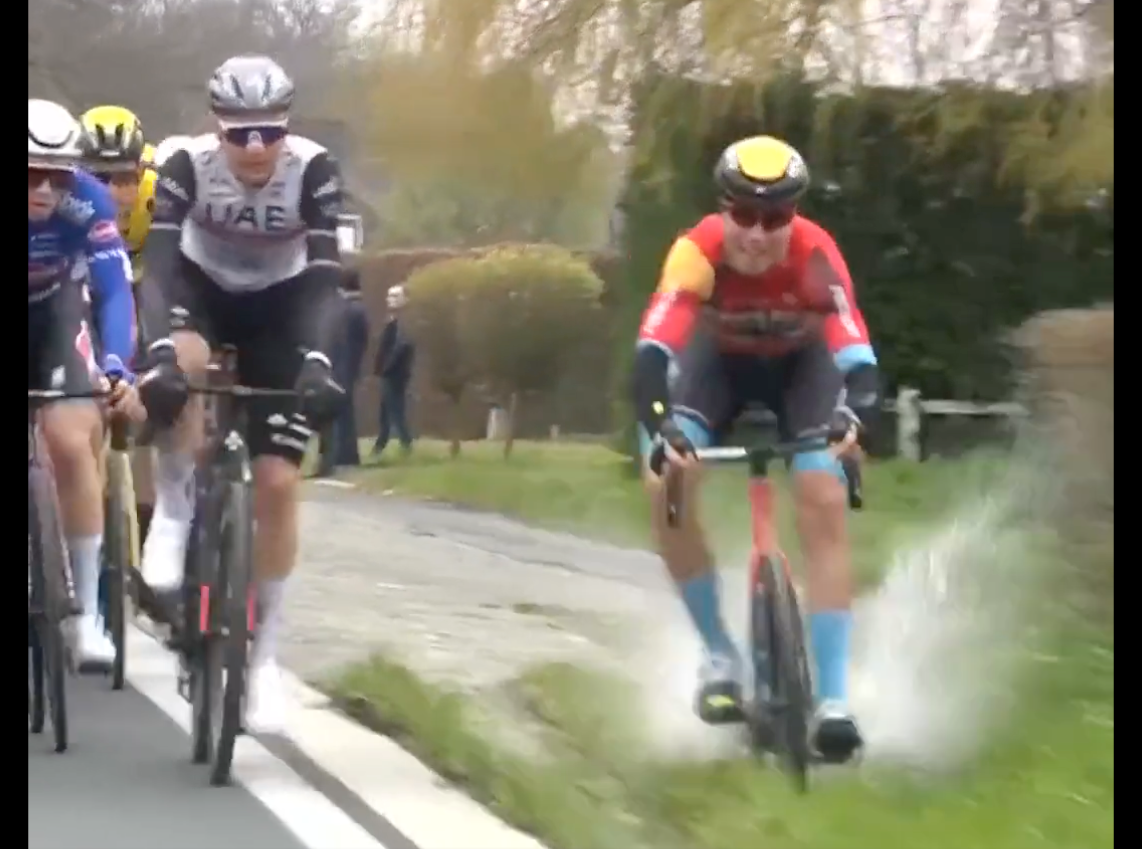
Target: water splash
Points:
(935, 646)
(936, 643)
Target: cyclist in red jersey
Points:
(755, 305)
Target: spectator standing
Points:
(394, 368)
(339, 440)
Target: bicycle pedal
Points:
(183, 685)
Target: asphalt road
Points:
(127, 782)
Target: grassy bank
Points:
(1048, 782)
(594, 782)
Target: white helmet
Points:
(55, 137)
(169, 145)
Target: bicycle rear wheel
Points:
(36, 715)
(777, 620)
(50, 601)
(233, 624)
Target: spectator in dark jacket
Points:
(394, 367)
(339, 442)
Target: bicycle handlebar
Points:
(731, 454)
(238, 391)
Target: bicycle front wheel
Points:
(116, 561)
(234, 618)
(49, 601)
(791, 696)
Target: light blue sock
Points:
(830, 631)
(700, 595)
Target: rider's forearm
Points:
(162, 265)
(650, 386)
(863, 394)
(115, 309)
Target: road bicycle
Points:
(778, 711)
(120, 555)
(213, 619)
(51, 593)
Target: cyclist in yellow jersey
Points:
(122, 159)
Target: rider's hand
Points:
(163, 388)
(671, 447)
(844, 418)
(319, 395)
(123, 399)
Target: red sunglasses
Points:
(58, 180)
(748, 217)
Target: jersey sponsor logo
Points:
(844, 310)
(168, 184)
(270, 218)
(76, 209)
(103, 231)
(117, 254)
(331, 187)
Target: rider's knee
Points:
(191, 350)
(68, 430)
(276, 481)
(820, 487)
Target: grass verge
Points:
(594, 782)
(1049, 781)
(586, 489)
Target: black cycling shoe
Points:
(836, 738)
(719, 702)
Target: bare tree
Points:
(154, 55)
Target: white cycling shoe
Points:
(164, 553)
(835, 734)
(265, 699)
(94, 650)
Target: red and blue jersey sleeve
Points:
(685, 284)
(845, 330)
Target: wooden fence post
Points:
(908, 415)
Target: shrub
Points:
(530, 313)
(434, 315)
(1069, 361)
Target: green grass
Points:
(586, 489)
(1046, 781)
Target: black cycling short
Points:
(60, 347)
(802, 388)
(266, 329)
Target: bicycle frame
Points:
(763, 510)
(225, 454)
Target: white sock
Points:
(174, 486)
(271, 594)
(84, 555)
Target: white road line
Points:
(316, 821)
(416, 801)
(333, 482)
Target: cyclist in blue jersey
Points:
(72, 215)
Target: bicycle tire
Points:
(116, 561)
(36, 713)
(50, 598)
(791, 691)
(233, 591)
(204, 666)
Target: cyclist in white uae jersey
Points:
(243, 251)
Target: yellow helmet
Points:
(148, 158)
(115, 137)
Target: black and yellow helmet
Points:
(762, 171)
(115, 136)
